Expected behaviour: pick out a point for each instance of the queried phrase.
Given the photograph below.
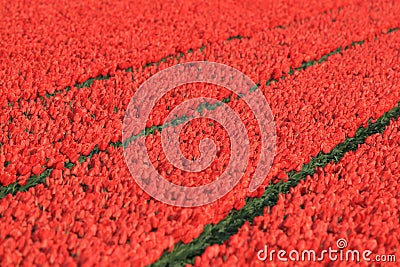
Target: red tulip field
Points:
(329, 71)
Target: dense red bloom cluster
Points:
(74, 122)
(356, 199)
(90, 207)
(48, 46)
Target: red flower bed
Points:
(43, 129)
(48, 46)
(90, 207)
(356, 199)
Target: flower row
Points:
(48, 46)
(351, 205)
